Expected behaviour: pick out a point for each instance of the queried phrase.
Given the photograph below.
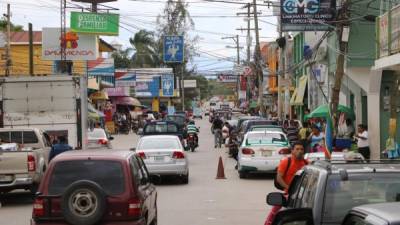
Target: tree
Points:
(122, 58)
(147, 53)
(176, 20)
(3, 26)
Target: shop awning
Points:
(300, 91)
(293, 98)
(127, 101)
(99, 95)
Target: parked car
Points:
(331, 189)
(335, 156)
(261, 152)
(370, 214)
(96, 187)
(244, 118)
(98, 138)
(178, 119)
(164, 155)
(23, 166)
(252, 122)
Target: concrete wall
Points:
(374, 125)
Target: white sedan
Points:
(261, 152)
(99, 139)
(164, 155)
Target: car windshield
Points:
(95, 134)
(177, 119)
(161, 128)
(158, 143)
(266, 138)
(265, 129)
(108, 174)
(342, 195)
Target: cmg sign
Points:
(307, 15)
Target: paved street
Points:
(205, 200)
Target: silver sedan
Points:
(164, 155)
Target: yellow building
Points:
(20, 56)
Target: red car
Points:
(96, 187)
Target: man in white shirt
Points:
(362, 141)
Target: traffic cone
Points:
(220, 171)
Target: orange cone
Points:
(220, 171)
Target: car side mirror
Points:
(111, 138)
(276, 199)
(132, 149)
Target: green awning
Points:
(323, 111)
(253, 104)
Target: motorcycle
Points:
(191, 142)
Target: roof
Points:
(159, 136)
(93, 154)
(385, 211)
(357, 167)
(22, 37)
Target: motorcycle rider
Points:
(192, 129)
(217, 127)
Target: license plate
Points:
(158, 158)
(266, 153)
(5, 178)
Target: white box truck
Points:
(50, 103)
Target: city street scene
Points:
(220, 112)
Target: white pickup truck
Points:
(23, 164)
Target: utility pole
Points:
(30, 49)
(259, 71)
(183, 89)
(8, 47)
(343, 46)
(236, 40)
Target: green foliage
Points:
(3, 26)
(122, 59)
(147, 50)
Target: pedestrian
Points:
(362, 141)
(316, 137)
(304, 133)
(217, 127)
(292, 132)
(59, 148)
(287, 168)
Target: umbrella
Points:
(127, 101)
(323, 111)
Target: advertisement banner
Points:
(95, 23)
(227, 78)
(395, 30)
(173, 49)
(101, 67)
(77, 46)
(125, 79)
(148, 88)
(167, 85)
(307, 15)
(117, 91)
(189, 83)
(384, 35)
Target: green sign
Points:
(95, 23)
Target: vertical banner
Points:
(167, 85)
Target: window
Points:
(5, 136)
(355, 220)
(342, 195)
(30, 137)
(143, 167)
(310, 189)
(108, 174)
(16, 137)
(301, 190)
(137, 176)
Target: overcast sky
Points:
(212, 22)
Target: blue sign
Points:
(171, 110)
(148, 88)
(167, 85)
(173, 49)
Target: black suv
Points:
(331, 189)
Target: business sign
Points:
(95, 23)
(227, 78)
(167, 85)
(189, 84)
(307, 15)
(125, 79)
(101, 67)
(77, 46)
(395, 30)
(173, 49)
(117, 91)
(148, 88)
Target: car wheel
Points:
(242, 174)
(185, 178)
(83, 203)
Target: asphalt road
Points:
(205, 200)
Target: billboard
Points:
(189, 83)
(148, 88)
(173, 49)
(77, 46)
(101, 67)
(307, 15)
(167, 85)
(125, 79)
(227, 78)
(95, 23)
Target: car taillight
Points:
(134, 208)
(38, 207)
(247, 151)
(102, 141)
(178, 155)
(142, 155)
(31, 163)
(284, 151)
